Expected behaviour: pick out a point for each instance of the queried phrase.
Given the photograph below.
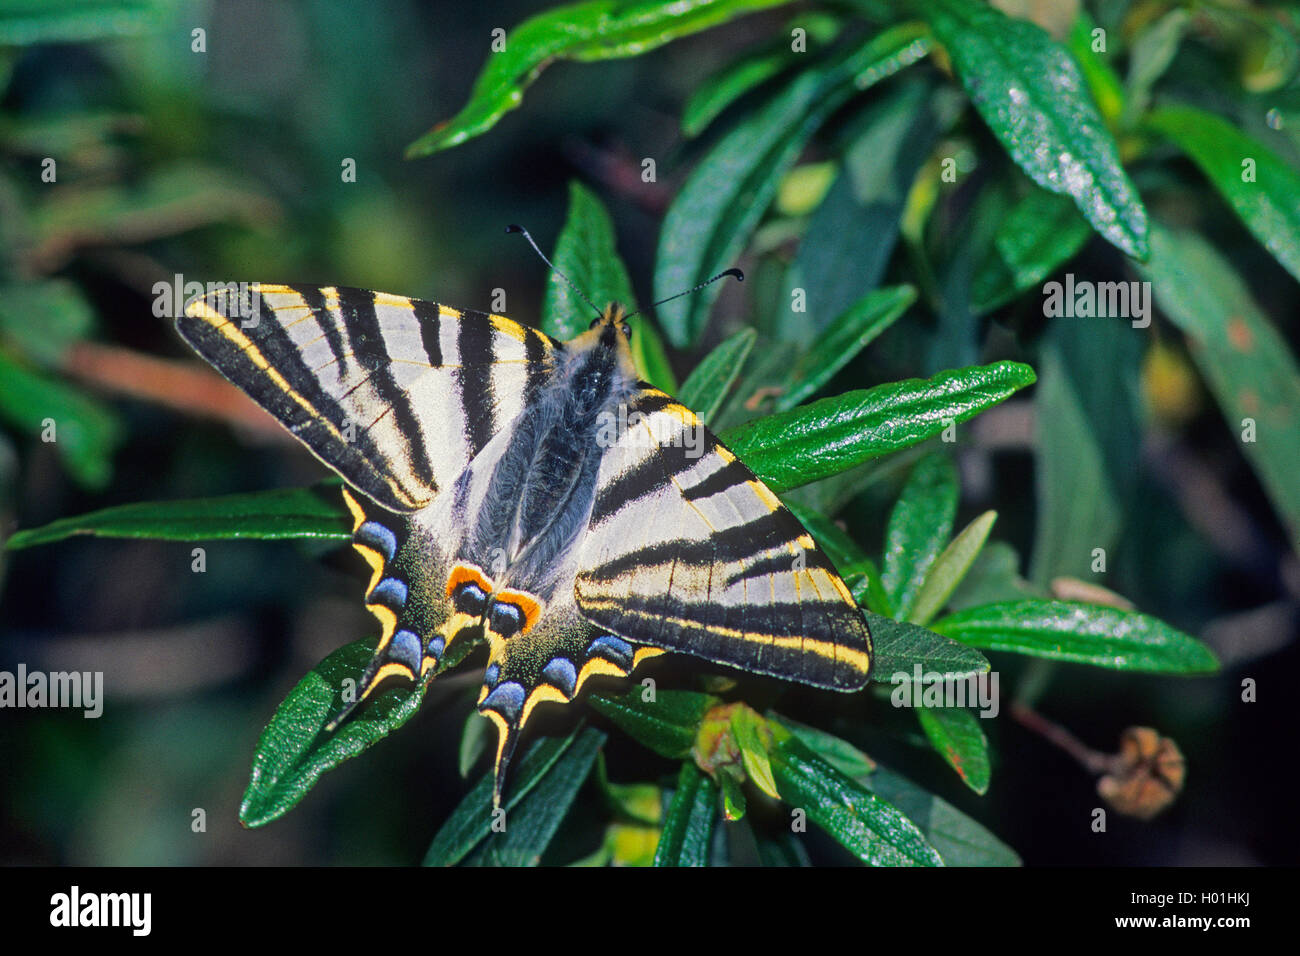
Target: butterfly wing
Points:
(688, 551)
(395, 394)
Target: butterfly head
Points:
(612, 323)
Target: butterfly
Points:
(535, 495)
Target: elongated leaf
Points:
(960, 840)
(651, 357)
(1041, 233)
(994, 576)
(1084, 633)
(706, 388)
(532, 824)
(901, 649)
(315, 512)
(950, 567)
(667, 724)
(471, 822)
(1260, 186)
(294, 749)
(688, 824)
(591, 31)
(1246, 363)
(839, 547)
(728, 192)
(83, 431)
(848, 335)
(956, 734)
(831, 435)
(1103, 82)
(25, 22)
(1032, 95)
(585, 252)
(872, 830)
(919, 526)
(44, 318)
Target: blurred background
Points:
(225, 164)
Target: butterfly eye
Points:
(469, 599)
(506, 619)
(627, 330)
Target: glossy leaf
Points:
(950, 567)
(587, 32)
(585, 252)
(1032, 95)
(315, 512)
(667, 725)
(1040, 234)
(294, 749)
(1083, 633)
(715, 212)
(831, 435)
(901, 648)
(471, 822)
(533, 821)
(1269, 203)
(1246, 362)
(706, 388)
(848, 335)
(85, 431)
(919, 526)
(688, 823)
(956, 734)
(868, 827)
(960, 840)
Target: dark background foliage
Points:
(226, 164)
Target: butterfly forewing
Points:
(689, 551)
(395, 394)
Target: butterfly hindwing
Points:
(689, 551)
(395, 394)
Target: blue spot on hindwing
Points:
(389, 592)
(405, 649)
(376, 537)
(492, 674)
(613, 649)
(436, 647)
(507, 700)
(561, 672)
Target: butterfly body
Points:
(533, 495)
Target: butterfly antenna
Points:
(524, 232)
(740, 277)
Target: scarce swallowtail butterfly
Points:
(509, 488)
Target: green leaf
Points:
(587, 32)
(1031, 93)
(1041, 233)
(651, 357)
(1104, 84)
(1084, 633)
(848, 335)
(1269, 204)
(534, 820)
(868, 827)
(28, 22)
(839, 547)
(960, 840)
(471, 822)
(831, 435)
(475, 738)
(667, 725)
(727, 194)
(44, 318)
(919, 526)
(956, 734)
(1152, 52)
(706, 388)
(1246, 362)
(585, 252)
(950, 567)
(994, 576)
(749, 732)
(688, 824)
(314, 512)
(837, 751)
(84, 431)
(293, 751)
(900, 648)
